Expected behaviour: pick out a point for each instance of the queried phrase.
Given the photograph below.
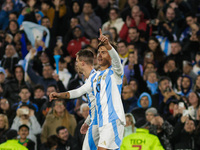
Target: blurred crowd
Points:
(158, 42)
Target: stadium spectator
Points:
(90, 22)
(4, 126)
(65, 139)
(129, 99)
(23, 132)
(130, 125)
(57, 117)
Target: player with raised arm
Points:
(107, 85)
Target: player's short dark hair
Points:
(86, 56)
(60, 128)
(113, 45)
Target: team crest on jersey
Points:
(99, 78)
(95, 80)
(104, 77)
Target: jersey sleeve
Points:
(116, 62)
(85, 88)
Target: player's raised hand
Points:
(104, 40)
(53, 96)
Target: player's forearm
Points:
(64, 95)
(108, 46)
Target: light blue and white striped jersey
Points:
(86, 89)
(107, 85)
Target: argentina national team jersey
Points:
(86, 89)
(107, 85)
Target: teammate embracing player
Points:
(105, 85)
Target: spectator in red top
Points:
(136, 20)
(78, 42)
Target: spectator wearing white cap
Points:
(151, 113)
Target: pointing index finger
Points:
(100, 31)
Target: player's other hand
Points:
(84, 128)
(53, 96)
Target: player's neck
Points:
(104, 67)
(87, 71)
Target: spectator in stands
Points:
(123, 51)
(57, 117)
(114, 34)
(177, 54)
(25, 95)
(191, 46)
(47, 106)
(114, 21)
(197, 84)
(143, 103)
(151, 113)
(52, 143)
(129, 68)
(64, 74)
(190, 19)
(11, 142)
(23, 132)
(165, 93)
(13, 27)
(26, 115)
(196, 67)
(136, 20)
(163, 130)
(47, 77)
(10, 59)
(5, 108)
(154, 45)
(102, 10)
(169, 27)
(130, 124)
(78, 41)
(39, 96)
(2, 81)
(127, 10)
(13, 87)
(4, 126)
(186, 86)
(152, 82)
(187, 70)
(69, 35)
(194, 101)
(171, 70)
(90, 22)
(65, 139)
(141, 139)
(183, 136)
(84, 110)
(133, 36)
(76, 8)
(7, 8)
(129, 99)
